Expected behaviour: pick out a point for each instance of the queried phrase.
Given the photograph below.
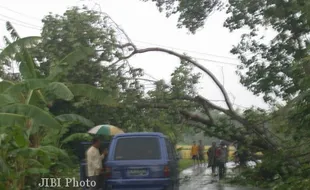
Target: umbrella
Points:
(105, 130)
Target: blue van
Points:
(141, 161)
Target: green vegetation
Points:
(277, 69)
(70, 80)
(184, 164)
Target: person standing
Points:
(222, 157)
(212, 157)
(94, 162)
(194, 153)
(102, 177)
(201, 153)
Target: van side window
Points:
(170, 150)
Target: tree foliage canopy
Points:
(277, 69)
(192, 14)
(272, 68)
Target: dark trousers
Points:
(212, 164)
(102, 182)
(96, 179)
(222, 169)
(99, 182)
(213, 167)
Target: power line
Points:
(192, 51)
(197, 58)
(25, 26)
(204, 59)
(25, 15)
(158, 45)
(20, 21)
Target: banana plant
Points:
(18, 160)
(32, 96)
(25, 119)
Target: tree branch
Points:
(206, 103)
(255, 145)
(252, 127)
(183, 57)
(186, 114)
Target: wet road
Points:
(199, 178)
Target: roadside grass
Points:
(184, 164)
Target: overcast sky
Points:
(147, 27)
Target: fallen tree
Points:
(247, 128)
(260, 138)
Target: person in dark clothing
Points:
(201, 153)
(222, 157)
(102, 179)
(212, 157)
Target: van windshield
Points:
(137, 148)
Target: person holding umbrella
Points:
(94, 162)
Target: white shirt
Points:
(94, 161)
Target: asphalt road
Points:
(199, 178)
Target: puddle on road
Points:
(201, 179)
(187, 172)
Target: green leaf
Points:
(6, 99)
(56, 71)
(27, 66)
(78, 55)
(3, 137)
(60, 90)
(15, 47)
(34, 163)
(18, 51)
(11, 119)
(75, 118)
(100, 95)
(34, 84)
(77, 137)
(37, 171)
(39, 116)
(27, 152)
(37, 99)
(71, 59)
(20, 138)
(3, 166)
(16, 91)
(5, 85)
(25, 86)
(14, 35)
(54, 150)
